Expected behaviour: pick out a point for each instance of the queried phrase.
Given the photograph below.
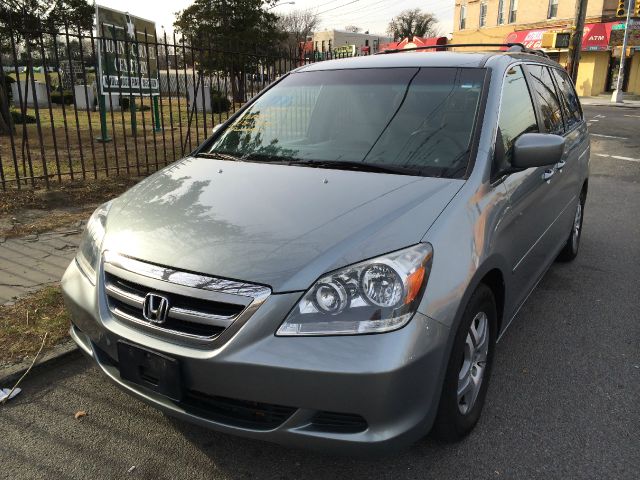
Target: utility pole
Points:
(618, 94)
(575, 44)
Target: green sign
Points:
(345, 50)
(127, 59)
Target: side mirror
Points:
(537, 150)
(216, 128)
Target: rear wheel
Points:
(469, 368)
(570, 249)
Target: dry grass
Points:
(79, 151)
(47, 223)
(26, 212)
(23, 325)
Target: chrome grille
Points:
(202, 310)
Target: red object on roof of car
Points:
(416, 42)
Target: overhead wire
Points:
(339, 6)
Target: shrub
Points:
(19, 119)
(60, 97)
(7, 80)
(124, 103)
(219, 102)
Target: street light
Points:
(280, 4)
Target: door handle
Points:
(560, 165)
(548, 173)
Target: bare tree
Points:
(413, 23)
(24, 21)
(298, 25)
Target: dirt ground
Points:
(27, 212)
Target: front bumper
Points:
(392, 381)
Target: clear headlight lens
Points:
(89, 251)
(374, 296)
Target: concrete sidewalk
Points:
(630, 101)
(29, 263)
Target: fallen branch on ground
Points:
(28, 369)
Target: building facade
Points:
(347, 42)
(530, 23)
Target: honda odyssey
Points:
(332, 268)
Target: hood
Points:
(277, 225)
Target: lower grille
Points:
(254, 415)
(228, 411)
(338, 422)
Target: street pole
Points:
(618, 94)
(575, 44)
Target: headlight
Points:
(374, 296)
(89, 251)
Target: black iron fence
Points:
(55, 125)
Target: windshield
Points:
(416, 120)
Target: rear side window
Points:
(573, 113)
(547, 98)
(517, 116)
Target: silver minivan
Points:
(332, 268)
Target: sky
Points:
(372, 15)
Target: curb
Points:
(616, 105)
(59, 354)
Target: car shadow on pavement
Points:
(239, 458)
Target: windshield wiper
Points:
(357, 166)
(330, 164)
(220, 156)
(248, 157)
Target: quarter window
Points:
(573, 113)
(548, 99)
(517, 116)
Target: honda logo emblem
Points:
(155, 308)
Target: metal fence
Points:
(57, 128)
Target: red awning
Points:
(415, 43)
(595, 37)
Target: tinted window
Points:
(517, 115)
(573, 113)
(420, 119)
(547, 98)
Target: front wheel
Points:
(469, 368)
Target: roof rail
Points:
(511, 47)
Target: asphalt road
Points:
(563, 402)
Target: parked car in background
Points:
(334, 266)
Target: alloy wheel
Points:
(474, 362)
(577, 225)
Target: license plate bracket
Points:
(152, 370)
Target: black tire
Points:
(570, 250)
(452, 424)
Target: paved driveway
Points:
(563, 402)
